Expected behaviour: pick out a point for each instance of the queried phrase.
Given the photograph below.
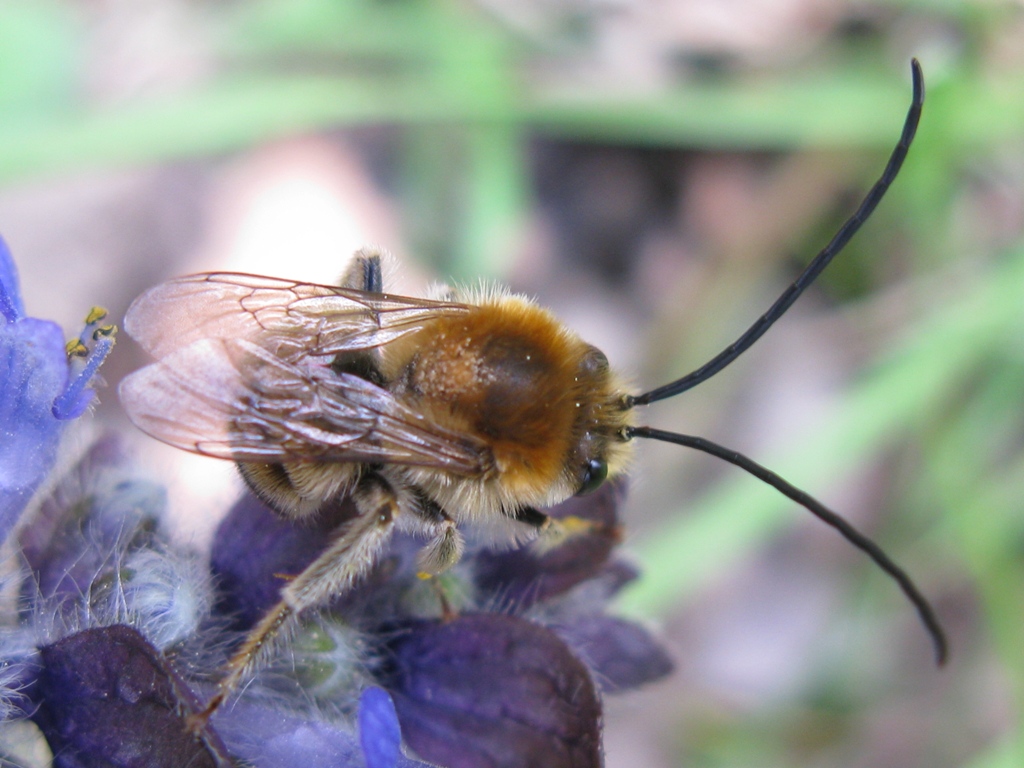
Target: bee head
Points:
(599, 450)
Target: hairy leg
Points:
(348, 557)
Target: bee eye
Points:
(593, 476)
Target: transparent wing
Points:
(290, 319)
(234, 399)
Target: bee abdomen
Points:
(298, 489)
(362, 363)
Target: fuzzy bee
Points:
(478, 407)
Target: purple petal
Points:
(106, 697)
(379, 732)
(34, 394)
(272, 737)
(494, 690)
(268, 737)
(11, 305)
(622, 655)
(33, 371)
(522, 577)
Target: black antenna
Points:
(755, 331)
(808, 276)
(823, 513)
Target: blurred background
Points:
(656, 173)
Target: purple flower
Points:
(121, 637)
(117, 645)
(43, 383)
(513, 680)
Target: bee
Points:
(474, 408)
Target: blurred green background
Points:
(657, 173)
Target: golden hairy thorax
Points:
(510, 374)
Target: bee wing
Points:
(233, 399)
(292, 320)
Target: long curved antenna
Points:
(823, 513)
(808, 276)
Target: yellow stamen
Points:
(95, 315)
(76, 348)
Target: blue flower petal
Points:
(33, 371)
(35, 396)
(11, 306)
(272, 737)
(490, 689)
(268, 736)
(379, 732)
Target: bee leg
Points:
(533, 517)
(352, 553)
(446, 544)
(553, 532)
(240, 663)
(447, 612)
(349, 556)
(364, 273)
(442, 551)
